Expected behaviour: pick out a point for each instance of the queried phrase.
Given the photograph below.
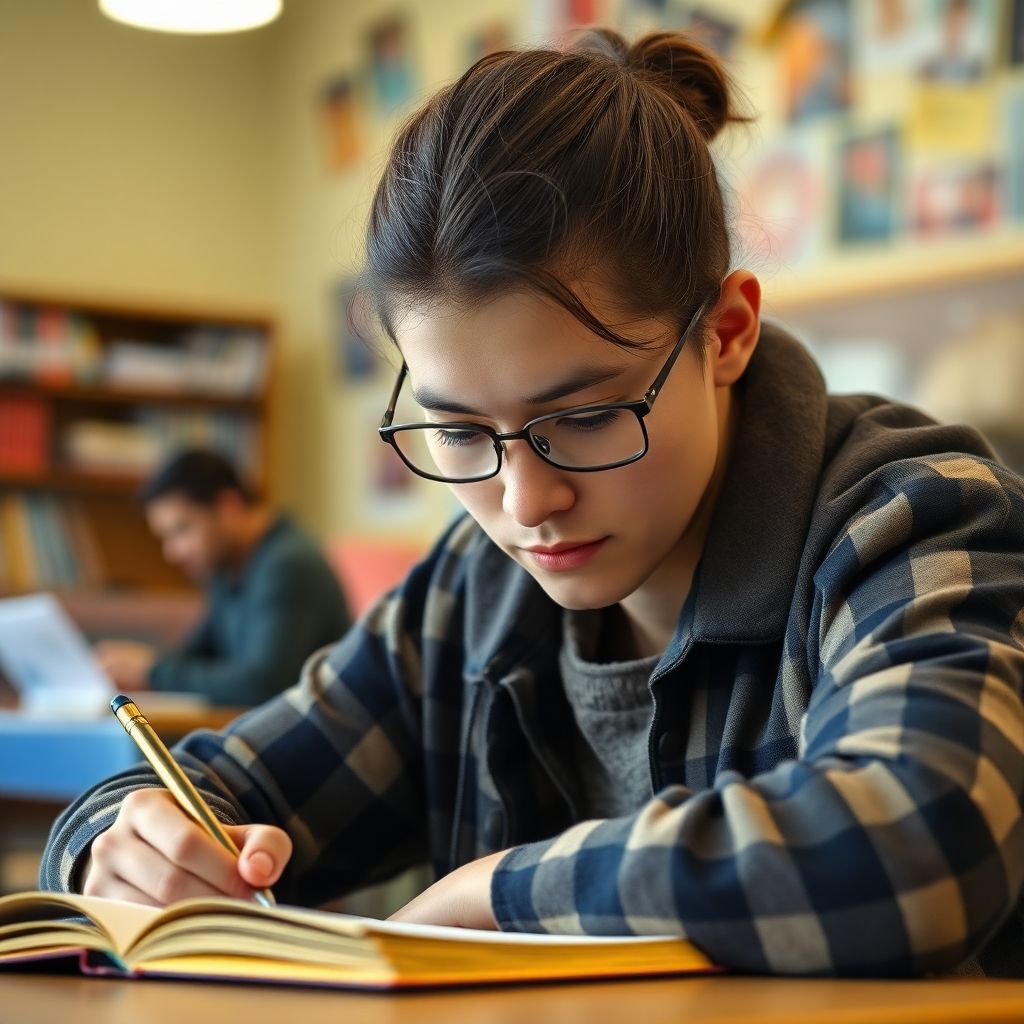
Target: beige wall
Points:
(135, 164)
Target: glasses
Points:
(586, 439)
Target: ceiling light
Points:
(197, 16)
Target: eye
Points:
(456, 438)
(589, 422)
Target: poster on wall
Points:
(888, 37)
(488, 39)
(814, 53)
(389, 493)
(354, 356)
(339, 117)
(1017, 32)
(392, 76)
(781, 201)
(952, 198)
(1013, 120)
(959, 40)
(868, 168)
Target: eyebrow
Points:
(427, 398)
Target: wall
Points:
(135, 164)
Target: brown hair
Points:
(539, 166)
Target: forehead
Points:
(511, 346)
(173, 508)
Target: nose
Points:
(533, 490)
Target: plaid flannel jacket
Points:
(836, 745)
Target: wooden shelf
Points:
(106, 395)
(871, 272)
(77, 481)
(79, 530)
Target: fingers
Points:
(155, 854)
(265, 850)
(162, 826)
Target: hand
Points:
(126, 662)
(154, 853)
(461, 899)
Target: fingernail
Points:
(262, 862)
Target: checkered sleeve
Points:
(336, 761)
(893, 844)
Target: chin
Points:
(580, 594)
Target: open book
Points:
(234, 940)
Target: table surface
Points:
(54, 758)
(34, 999)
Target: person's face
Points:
(492, 358)
(191, 535)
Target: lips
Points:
(565, 556)
(564, 546)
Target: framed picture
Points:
(715, 32)
(1017, 32)
(391, 66)
(339, 118)
(868, 167)
(959, 40)
(888, 35)
(355, 358)
(781, 201)
(951, 198)
(1013, 124)
(814, 51)
(489, 39)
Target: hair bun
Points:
(693, 75)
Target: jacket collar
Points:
(748, 570)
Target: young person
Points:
(272, 599)
(712, 653)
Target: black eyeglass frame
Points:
(640, 409)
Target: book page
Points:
(119, 921)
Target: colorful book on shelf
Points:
(229, 939)
(21, 565)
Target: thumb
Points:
(265, 850)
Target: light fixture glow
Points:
(196, 16)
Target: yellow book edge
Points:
(235, 940)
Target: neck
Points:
(650, 614)
(251, 530)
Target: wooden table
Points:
(37, 999)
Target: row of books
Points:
(25, 427)
(47, 345)
(46, 542)
(136, 446)
(53, 346)
(223, 362)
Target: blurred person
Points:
(272, 598)
(711, 652)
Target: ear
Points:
(736, 327)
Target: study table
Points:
(55, 758)
(38, 999)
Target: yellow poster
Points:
(952, 119)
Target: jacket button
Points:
(671, 749)
(494, 829)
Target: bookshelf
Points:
(93, 395)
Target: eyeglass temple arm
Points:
(389, 412)
(652, 391)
